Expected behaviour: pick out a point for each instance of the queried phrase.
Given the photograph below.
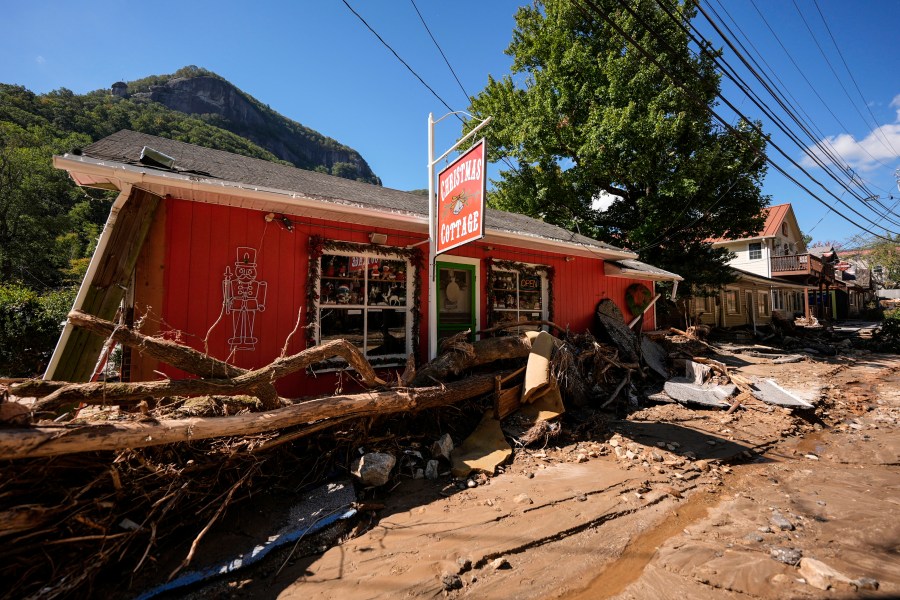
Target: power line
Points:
(834, 72)
(852, 78)
(394, 52)
(438, 46)
(754, 97)
(601, 15)
(806, 79)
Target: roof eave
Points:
(92, 172)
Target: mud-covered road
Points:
(668, 503)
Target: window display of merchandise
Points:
(363, 299)
(517, 298)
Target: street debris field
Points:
(667, 464)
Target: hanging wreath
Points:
(319, 246)
(637, 298)
(524, 271)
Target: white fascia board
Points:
(742, 240)
(635, 274)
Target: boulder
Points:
(374, 468)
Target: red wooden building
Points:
(249, 260)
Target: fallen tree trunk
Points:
(246, 383)
(54, 440)
(484, 351)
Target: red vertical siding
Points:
(202, 240)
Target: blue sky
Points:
(315, 62)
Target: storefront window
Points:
(518, 297)
(365, 300)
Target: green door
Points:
(455, 299)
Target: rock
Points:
(753, 537)
(431, 469)
(451, 581)
(443, 447)
(630, 455)
(581, 458)
(779, 578)
(781, 522)
(374, 468)
(523, 499)
(819, 575)
(614, 442)
(465, 564)
(656, 456)
(419, 474)
(865, 583)
(581, 497)
(789, 556)
(765, 529)
(471, 483)
(500, 563)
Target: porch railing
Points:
(800, 264)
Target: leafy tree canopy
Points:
(605, 143)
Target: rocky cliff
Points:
(222, 104)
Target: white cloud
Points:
(40, 60)
(881, 145)
(603, 200)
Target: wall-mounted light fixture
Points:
(488, 248)
(377, 238)
(570, 258)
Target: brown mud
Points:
(668, 503)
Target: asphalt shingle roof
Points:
(125, 147)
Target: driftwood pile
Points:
(143, 464)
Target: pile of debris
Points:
(138, 466)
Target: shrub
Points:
(30, 324)
(887, 337)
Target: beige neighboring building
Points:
(773, 273)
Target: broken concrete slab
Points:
(654, 356)
(686, 391)
(769, 391)
(484, 450)
(788, 358)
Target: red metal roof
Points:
(774, 216)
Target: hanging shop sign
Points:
(460, 199)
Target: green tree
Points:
(606, 144)
(45, 221)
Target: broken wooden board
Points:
(537, 370)
(484, 450)
(654, 356)
(769, 391)
(684, 390)
(612, 326)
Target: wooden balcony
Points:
(801, 265)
